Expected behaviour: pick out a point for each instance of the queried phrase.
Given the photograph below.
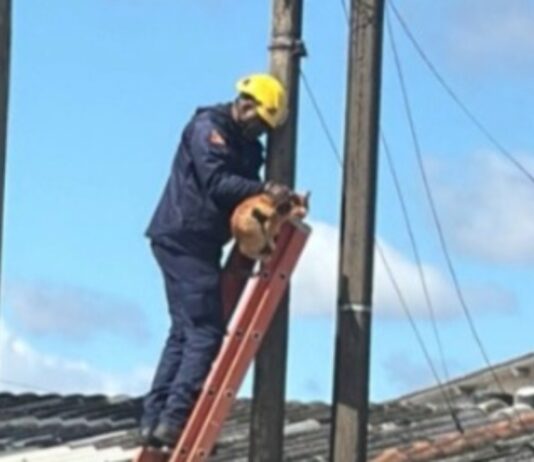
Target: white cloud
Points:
(315, 283)
(489, 213)
(494, 33)
(315, 279)
(23, 366)
(73, 313)
(314, 293)
(70, 314)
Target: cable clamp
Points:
(284, 42)
(355, 308)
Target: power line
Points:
(418, 335)
(436, 219)
(437, 222)
(465, 109)
(441, 386)
(320, 116)
(417, 256)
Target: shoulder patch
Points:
(216, 138)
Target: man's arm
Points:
(212, 159)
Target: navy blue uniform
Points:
(214, 169)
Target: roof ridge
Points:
(453, 443)
(463, 377)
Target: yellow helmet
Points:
(270, 95)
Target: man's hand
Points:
(278, 192)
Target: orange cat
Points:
(257, 221)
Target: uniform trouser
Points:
(193, 292)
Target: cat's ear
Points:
(306, 200)
(302, 200)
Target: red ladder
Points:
(247, 327)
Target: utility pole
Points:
(351, 375)
(268, 402)
(5, 44)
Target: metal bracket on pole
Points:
(284, 42)
(356, 308)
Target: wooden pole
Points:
(351, 376)
(267, 419)
(5, 45)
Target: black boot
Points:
(144, 437)
(165, 435)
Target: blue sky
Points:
(99, 93)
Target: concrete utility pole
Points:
(267, 420)
(5, 44)
(351, 376)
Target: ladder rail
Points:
(238, 324)
(263, 314)
(257, 300)
(211, 385)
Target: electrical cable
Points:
(416, 254)
(448, 89)
(435, 216)
(421, 342)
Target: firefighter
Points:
(216, 166)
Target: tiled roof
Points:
(512, 374)
(459, 443)
(53, 428)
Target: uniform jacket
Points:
(214, 169)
